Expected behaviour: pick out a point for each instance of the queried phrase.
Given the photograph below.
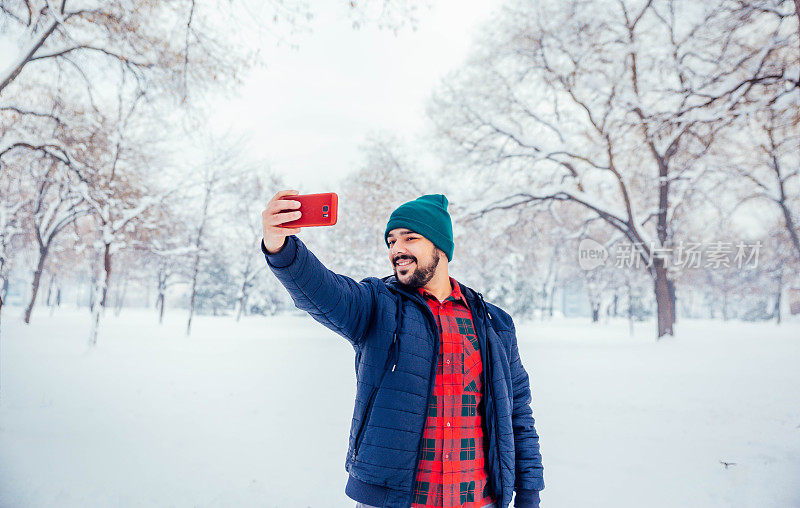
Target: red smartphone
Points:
(315, 210)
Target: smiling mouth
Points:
(404, 263)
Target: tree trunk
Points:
(725, 305)
(51, 294)
(797, 11)
(543, 310)
(50, 290)
(92, 285)
(674, 301)
(195, 271)
(710, 305)
(99, 290)
(161, 289)
(3, 293)
(1, 310)
(665, 303)
(629, 287)
(790, 227)
(241, 307)
(776, 312)
(121, 298)
(1, 325)
(161, 299)
(96, 309)
(37, 276)
(197, 244)
(107, 275)
(242, 299)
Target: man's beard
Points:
(421, 274)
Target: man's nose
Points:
(396, 251)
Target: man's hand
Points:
(277, 212)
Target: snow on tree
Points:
(387, 176)
(13, 201)
(58, 203)
(247, 195)
(610, 107)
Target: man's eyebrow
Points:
(391, 235)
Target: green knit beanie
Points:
(428, 216)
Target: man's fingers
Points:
(280, 218)
(282, 193)
(276, 213)
(280, 205)
(281, 231)
(284, 204)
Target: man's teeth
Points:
(404, 262)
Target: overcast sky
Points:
(310, 109)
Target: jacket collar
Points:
(482, 319)
(456, 293)
(474, 298)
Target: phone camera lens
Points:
(325, 208)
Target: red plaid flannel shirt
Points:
(451, 470)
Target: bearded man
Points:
(442, 413)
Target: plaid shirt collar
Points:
(456, 294)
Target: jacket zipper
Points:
(490, 385)
(364, 421)
(496, 436)
(431, 379)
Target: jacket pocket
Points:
(364, 421)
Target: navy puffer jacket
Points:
(396, 341)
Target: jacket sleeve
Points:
(528, 460)
(336, 301)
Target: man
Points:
(442, 414)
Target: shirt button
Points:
(448, 424)
(447, 455)
(447, 361)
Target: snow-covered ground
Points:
(257, 413)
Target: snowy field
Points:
(257, 413)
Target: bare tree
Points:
(169, 252)
(223, 164)
(386, 14)
(182, 48)
(70, 52)
(612, 108)
(57, 204)
(247, 194)
(765, 155)
(13, 201)
(386, 177)
(135, 34)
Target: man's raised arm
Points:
(337, 301)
